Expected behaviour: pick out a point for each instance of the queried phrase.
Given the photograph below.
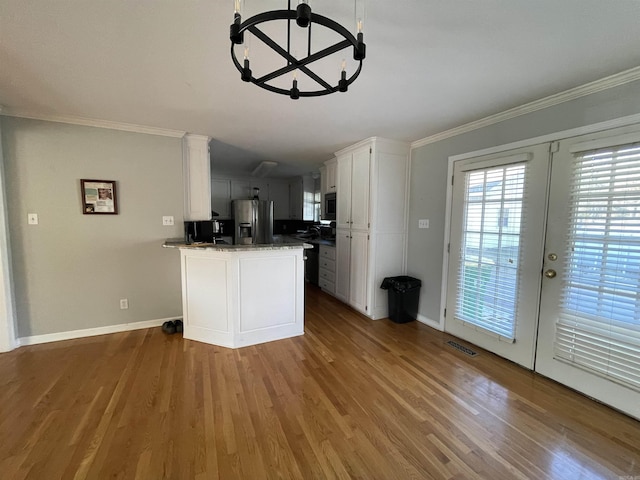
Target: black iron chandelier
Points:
(304, 18)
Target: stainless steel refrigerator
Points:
(254, 222)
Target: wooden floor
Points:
(352, 398)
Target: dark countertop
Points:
(322, 241)
(313, 241)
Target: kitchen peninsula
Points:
(239, 295)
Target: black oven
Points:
(330, 207)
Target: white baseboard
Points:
(431, 323)
(92, 332)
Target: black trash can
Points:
(404, 293)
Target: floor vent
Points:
(462, 348)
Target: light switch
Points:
(167, 221)
(32, 218)
(423, 223)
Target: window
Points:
(487, 280)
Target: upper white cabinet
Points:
(302, 198)
(279, 194)
(240, 189)
(224, 190)
(221, 197)
(197, 177)
(295, 199)
(331, 176)
(353, 189)
(323, 179)
(372, 179)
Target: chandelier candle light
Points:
(305, 19)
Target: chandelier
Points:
(304, 19)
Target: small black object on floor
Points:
(172, 326)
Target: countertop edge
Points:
(169, 243)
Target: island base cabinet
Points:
(238, 299)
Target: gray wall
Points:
(429, 174)
(71, 270)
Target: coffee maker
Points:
(207, 231)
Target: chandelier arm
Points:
(315, 77)
(301, 63)
(290, 58)
(292, 62)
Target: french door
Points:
(589, 334)
(496, 245)
(544, 264)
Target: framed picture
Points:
(99, 197)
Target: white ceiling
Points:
(431, 65)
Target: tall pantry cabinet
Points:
(372, 180)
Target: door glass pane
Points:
(599, 322)
(487, 282)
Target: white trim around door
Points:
(7, 306)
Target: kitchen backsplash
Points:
(289, 227)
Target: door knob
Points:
(550, 273)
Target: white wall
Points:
(429, 174)
(71, 270)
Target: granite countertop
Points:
(179, 243)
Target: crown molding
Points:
(91, 122)
(611, 81)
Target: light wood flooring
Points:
(352, 398)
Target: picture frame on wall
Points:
(99, 197)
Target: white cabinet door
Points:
(295, 199)
(240, 189)
(359, 255)
(279, 195)
(323, 188)
(197, 178)
(343, 253)
(343, 217)
(323, 180)
(263, 188)
(360, 169)
(221, 198)
(308, 198)
(331, 184)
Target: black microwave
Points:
(330, 207)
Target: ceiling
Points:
(431, 65)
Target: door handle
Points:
(550, 273)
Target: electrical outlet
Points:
(167, 221)
(124, 304)
(32, 218)
(423, 223)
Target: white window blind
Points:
(598, 328)
(487, 279)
